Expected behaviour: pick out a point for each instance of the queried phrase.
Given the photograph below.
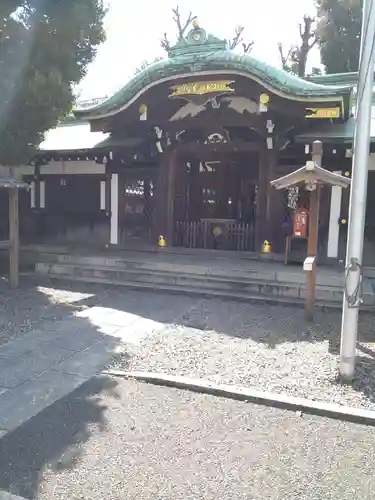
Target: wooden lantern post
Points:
(312, 242)
(312, 176)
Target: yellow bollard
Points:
(162, 242)
(266, 247)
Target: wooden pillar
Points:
(334, 223)
(261, 208)
(103, 189)
(171, 180)
(270, 206)
(181, 202)
(108, 185)
(164, 217)
(14, 239)
(32, 195)
(195, 198)
(37, 215)
(236, 190)
(274, 214)
(114, 224)
(108, 179)
(221, 191)
(42, 194)
(42, 223)
(312, 245)
(37, 185)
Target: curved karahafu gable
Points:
(200, 54)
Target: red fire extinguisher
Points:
(300, 223)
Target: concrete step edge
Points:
(185, 275)
(229, 295)
(149, 265)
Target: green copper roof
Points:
(335, 79)
(200, 53)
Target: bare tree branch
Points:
(296, 59)
(282, 57)
(247, 47)
(311, 45)
(181, 29)
(177, 19)
(183, 26)
(285, 58)
(306, 33)
(165, 43)
(237, 38)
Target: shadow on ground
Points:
(255, 321)
(55, 439)
(263, 324)
(29, 308)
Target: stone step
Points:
(182, 279)
(229, 295)
(241, 270)
(229, 286)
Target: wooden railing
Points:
(232, 235)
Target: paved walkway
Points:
(116, 439)
(176, 334)
(43, 366)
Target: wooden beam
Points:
(5, 245)
(208, 150)
(209, 123)
(14, 239)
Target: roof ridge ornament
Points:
(195, 23)
(196, 42)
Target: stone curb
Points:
(303, 405)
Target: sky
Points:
(134, 30)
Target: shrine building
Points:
(183, 156)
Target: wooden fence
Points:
(232, 235)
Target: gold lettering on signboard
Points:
(323, 113)
(201, 88)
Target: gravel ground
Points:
(32, 307)
(140, 442)
(265, 347)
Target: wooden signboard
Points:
(327, 113)
(201, 88)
